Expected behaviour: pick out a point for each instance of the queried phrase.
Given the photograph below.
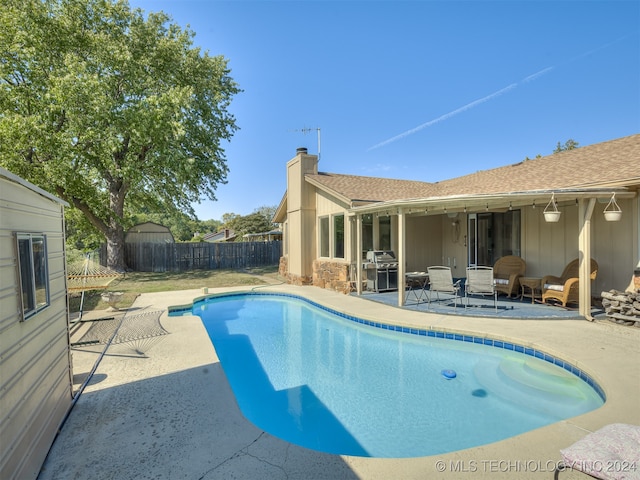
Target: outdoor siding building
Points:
(35, 363)
(331, 220)
(149, 232)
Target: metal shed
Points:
(35, 359)
(149, 232)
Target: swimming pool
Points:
(331, 382)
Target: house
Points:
(226, 235)
(270, 236)
(331, 220)
(35, 360)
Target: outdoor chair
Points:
(441, 281)
(565, 288)
(612, 453)
(480, 282)
(507, 272)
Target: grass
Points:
(133, 284)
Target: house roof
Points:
(355, 189)
(609, 164)
(225, 235)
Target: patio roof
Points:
(502, 201)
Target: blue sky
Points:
(421, 90)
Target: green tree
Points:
(252, 223)
(111, 110)
(568, 145)
(267, 212)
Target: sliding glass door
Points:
(492, 235)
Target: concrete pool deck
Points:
(164, 409)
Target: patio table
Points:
(416, 283)
(533, 284)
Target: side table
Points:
(534, 287)
(416, 283)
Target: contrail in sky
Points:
(475, 103)
(462, 109)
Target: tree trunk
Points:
(115, 230)
(115, 249)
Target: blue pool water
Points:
(331, 384)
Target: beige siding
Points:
(614, 246)
(454, 247)
(548, 247)
(424, 247)
(34, 354)
(301, 215)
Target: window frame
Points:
(338, 247)
(32, 273)
(327, 232)
(324, 236)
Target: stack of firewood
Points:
(622, 307)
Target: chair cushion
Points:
(611, 453)
(502, 281)
(557, 288)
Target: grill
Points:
(382, 270)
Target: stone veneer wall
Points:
(331, 275)
(283, 271)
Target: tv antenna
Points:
(306, 130)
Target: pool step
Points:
(539, 387)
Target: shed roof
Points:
(21, 181)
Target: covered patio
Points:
(573, 234)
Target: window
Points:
(324, 237)
(332, 236)
(32, 266)
(338, 236)
(493, 235)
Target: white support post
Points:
(401, 256)
(585, 211)
(358, 253)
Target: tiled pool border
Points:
(568, 366)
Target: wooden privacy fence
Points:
(165, 257)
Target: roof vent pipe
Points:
(301, 150)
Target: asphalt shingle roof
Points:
(371, 189)
(612, 163)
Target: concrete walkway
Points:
(164, 409)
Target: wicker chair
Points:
(507, 272)
(565, 288)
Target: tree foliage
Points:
(259, 221)
(111, 110)
(568, 145)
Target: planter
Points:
(612, 212)
(612, 216)
(552, 217)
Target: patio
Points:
(508, 308)
(170, 412)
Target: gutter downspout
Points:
(585, 211)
